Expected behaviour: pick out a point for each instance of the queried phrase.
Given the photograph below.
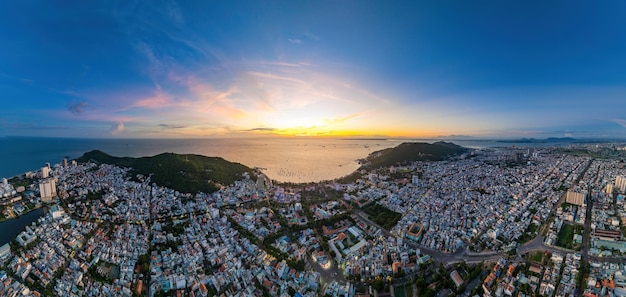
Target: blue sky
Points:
(318, 68)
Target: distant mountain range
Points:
(533, 140)
(185, 173)
(413, 151)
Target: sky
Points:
(161, 69)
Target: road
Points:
(327, 275)
(535, 245)
(469, 257)
(446, 258)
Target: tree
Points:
(378, 284)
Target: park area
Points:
(565, 238)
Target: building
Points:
(64, 162)
(56, 212)
(415, 232)
(5, 252)
(26, 237)
(575, 198)
(609, 188)
(415, 180)
(620, 183)
(606, 234)
(262, 183)
(45, 172)
(456, 278)
(47, 189)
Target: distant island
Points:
(533, 140)
(413, 151)
(186, 173)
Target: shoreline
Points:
(22, 214)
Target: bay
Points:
(284, 159)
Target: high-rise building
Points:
(620, 183)
(64, 162)
(5, 182)
(609, 188)
(45, 172)
(575, 198)
(47, 189)
(415, 180)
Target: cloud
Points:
(261, 129)
(19, 79)
(117, 128)
(280, 64)
(311, 36)
(295, 41)
(340, 120)
(173, 12)
(158, 60)
(167, 126)
(159, 100)
(620, 122)
(77, 107)
(30, 126)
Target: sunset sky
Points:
(313, 68)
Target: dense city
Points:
(506, 221)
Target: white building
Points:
(415, 180)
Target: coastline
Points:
(12, 227)
(22, 214)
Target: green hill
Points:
(413, 151)
(184, 173)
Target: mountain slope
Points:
(185, 173)
(413, 151)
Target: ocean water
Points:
(284, 159)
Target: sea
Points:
(296, 160)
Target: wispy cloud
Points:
(260, 129)
(173, 12)
(340, 120)
(19, 79)
(158, 100)
(30, 126)
(311, 36)
(77, 107)
(295, 41)
(156, 67)
(620, 122)
(167, 126)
